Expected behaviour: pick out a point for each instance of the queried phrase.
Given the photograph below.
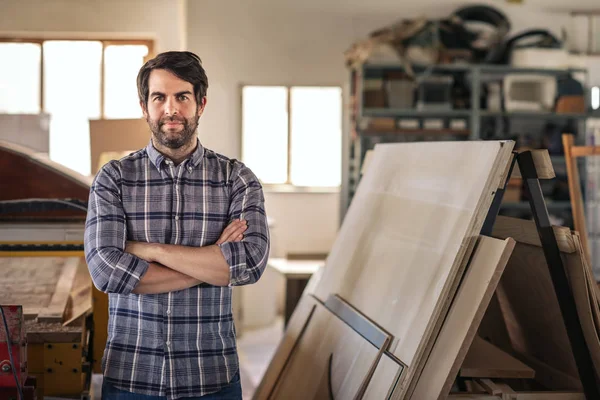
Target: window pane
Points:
(121, 66)
(264, 132)
(316, 132)
(72, 77)
(595, 98)
(20, 78)
(72, 96)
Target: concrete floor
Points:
(255, 349)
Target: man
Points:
(170, 229)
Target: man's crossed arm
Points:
(174, 267)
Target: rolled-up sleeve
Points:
(247, 259)
(112, 270)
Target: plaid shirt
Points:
(182, 343)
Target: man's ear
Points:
(144, 109)
(202, 105)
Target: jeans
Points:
(233, 391)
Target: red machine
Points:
(14, 382)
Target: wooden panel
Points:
(384, 379)
(29, 281)
(116, 135)
(525, 231)
(408, 233)
(479, 283)
(484, 360)
(330, 355)
(54, 311)
(532, 314)
(295, 328)
(578, 272)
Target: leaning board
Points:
(408, 235)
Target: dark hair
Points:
(183, 64)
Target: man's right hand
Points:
(234, 232)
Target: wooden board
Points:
(293, 333)
(55, 310)
(484, 360)
(384, 379)
(578, 272)
(330, 355)
(524, 231)
(479, 283)
(408, 234)
(532, 314)
(29, 281)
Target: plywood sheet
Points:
(384, 379)
(578, 272)
(484, 360)
(408, 232)
(330, 360)
(461, 324)
(532, 313)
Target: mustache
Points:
(172, 119)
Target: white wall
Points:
(301, 43)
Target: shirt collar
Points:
(158, 158)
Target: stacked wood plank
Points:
(410, 261)
(54, 290)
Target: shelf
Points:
(413, 113)
(533, 115)
(483, 68)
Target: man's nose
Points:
(171, 107)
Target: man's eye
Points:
(158, 98)
(183, 97)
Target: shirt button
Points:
(177, 218)
(168, 343)
(168, 312)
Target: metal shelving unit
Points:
(359, 137)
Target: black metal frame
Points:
(581, 353)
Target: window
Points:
(73, 81)
(595, 98)
(293, 135)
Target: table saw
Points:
(62, 317)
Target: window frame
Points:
(288, 186)
(105, 42)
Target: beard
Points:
(171, 138)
